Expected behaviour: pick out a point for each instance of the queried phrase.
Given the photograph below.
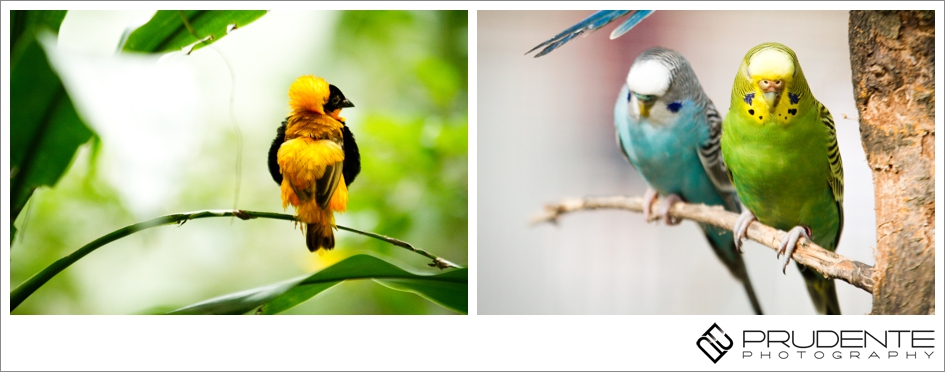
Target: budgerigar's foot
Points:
(668, 202)
(789, 243)
(649, 196)
(741, 227)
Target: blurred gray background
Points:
(545, 132)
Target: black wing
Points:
(352, 164)
(274, 152)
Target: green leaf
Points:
(295, 296)
(240, 302)
(442, 293)
(24, 25)
(45, 130)
(449, 289)
(23, 20)
(171, 30)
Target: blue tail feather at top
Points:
(635, 18)
(594, 22)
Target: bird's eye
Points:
(334, 99)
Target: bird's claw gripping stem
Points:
(741, 227)
(648, 197)
(789, 243)
(664, 209)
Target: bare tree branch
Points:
(828, 263)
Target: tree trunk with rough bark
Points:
(893, 58)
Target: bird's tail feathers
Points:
(723, 244)
(319, 237)
(318, 225)
(823, 291)
(746, 281)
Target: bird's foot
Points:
(668, 202)
(741, 227)
(789, 243)
(649, 196)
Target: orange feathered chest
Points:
(311, 160)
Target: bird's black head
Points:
(336, 100)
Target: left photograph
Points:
(238, 162)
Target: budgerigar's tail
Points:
(823, 291)
(743, 277)
(594, 22)
(723, 244)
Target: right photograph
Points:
(705, 162)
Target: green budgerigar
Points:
(780, 146)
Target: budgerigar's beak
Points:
(644, 103)
(644, 109)
(771, 91)
(346, 103)
(772, 99)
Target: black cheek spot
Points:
(761, 118)
(792, 111)
(751, 112)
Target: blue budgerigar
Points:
(669, 130)
(592, 23)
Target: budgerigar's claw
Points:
(741, 227)
(666, 205)
(648, 197)
(789, 243)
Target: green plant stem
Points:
(21, 293)
(437, 262)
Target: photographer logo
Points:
(711, 343)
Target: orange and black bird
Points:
(314, 158)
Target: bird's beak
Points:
(771, 91)
(644, 103)
(337, 113)
(644, 109)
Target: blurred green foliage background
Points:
(406, 72)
